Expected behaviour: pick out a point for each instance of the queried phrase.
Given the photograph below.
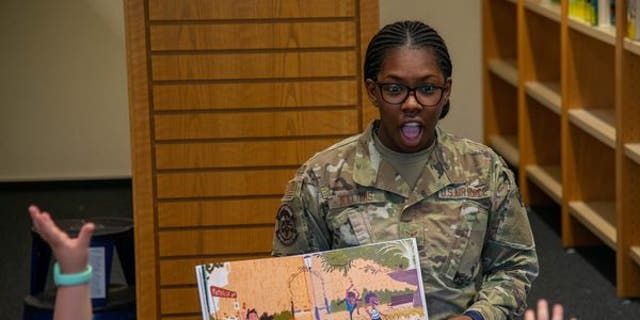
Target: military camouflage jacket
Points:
(474, 239)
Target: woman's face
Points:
(408, 127)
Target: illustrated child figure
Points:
(372, 301)
(351, 300)
(252, 314)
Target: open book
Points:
(374, 281)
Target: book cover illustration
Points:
(368, 282)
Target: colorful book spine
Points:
(606, 12)
(585, 10)
(633, 22)
(612, 12)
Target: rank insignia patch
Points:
(287, 232)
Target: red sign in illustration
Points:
(222, 293)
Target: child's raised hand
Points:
(542, 313)
(71, 253)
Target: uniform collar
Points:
(372, 171)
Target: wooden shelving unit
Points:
(599, 217)
(562, 102)
(544, 8)
(600, 123)
(547, 93)
(507, 146)
(632, 150)
(505, 69)
(501, 78)
(549, 179)
(539, 101)
(606, 34)
(635, 254)
(632, 46)
(628, 158)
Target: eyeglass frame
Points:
(412, 89)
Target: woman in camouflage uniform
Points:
(406, 177)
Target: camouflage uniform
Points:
(474, 239)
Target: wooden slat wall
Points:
(228, 98)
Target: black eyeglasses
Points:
(428, 95)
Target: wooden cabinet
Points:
(227, 99)
(562, 104)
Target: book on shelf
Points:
(606, 10)
(594, 12)
(349, 283)
(633, 23)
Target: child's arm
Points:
(73, 302)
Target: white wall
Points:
(459, 23)
(63, 90)
(63, 86)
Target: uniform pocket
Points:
(463, 262)
(340, 226)
(351, 215)
(361, 224)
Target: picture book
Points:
(367, 282)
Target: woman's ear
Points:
(449, 84)
(371, 91)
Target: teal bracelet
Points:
(71, 279)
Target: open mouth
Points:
(411, 132)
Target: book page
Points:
(270, 288)
(369, 282)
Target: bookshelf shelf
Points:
(600, 123)
(507, 70)
(606, 34)
(507, 146)
(634, 252)
(562, 103)
(547, 93)
(544, 8)
(632, 150)
(632, 46)
(549, 179)
(599, 217)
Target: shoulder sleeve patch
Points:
(286, 231)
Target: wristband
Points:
(475, 315)
(71, 279)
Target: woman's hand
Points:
(71, 254)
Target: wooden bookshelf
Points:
(601, 33)
(628, 159)
(632, 150)
(539, 101)
(634, 252)
(549, 179)
(547, 93)
(501, 78)
(507, 70)
(599, 217)
(562, 102)
(600, 123)
(632, 46)
(544, 8)
(507, 146)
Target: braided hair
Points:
(407, 33)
